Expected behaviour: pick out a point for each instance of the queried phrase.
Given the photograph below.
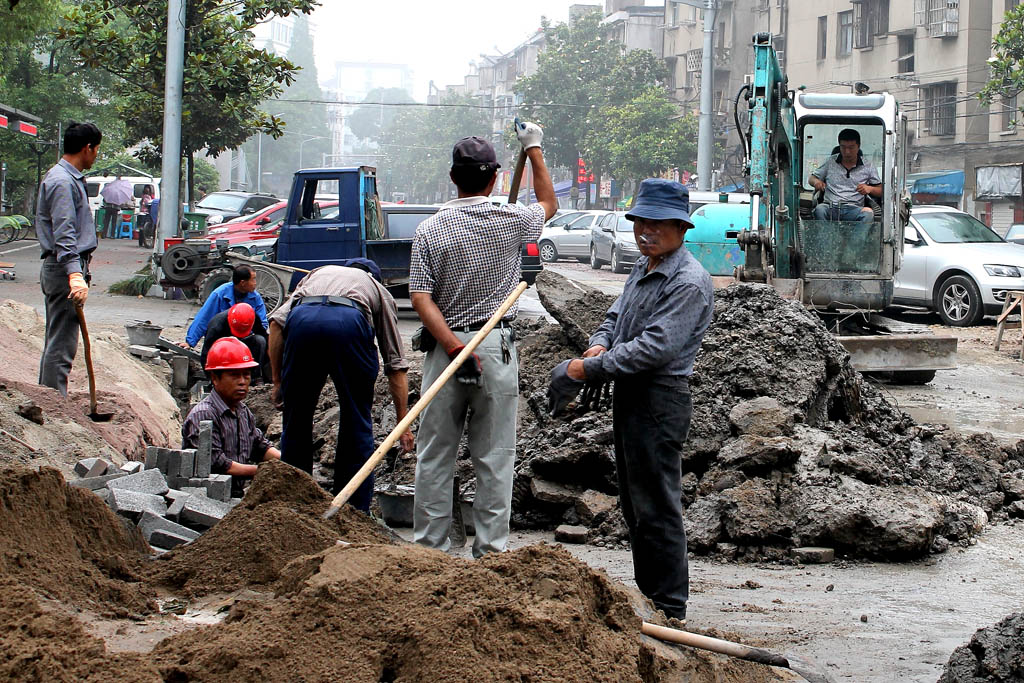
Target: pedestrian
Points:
(466, 260)
(326, 328)
(67, 238)
(241, 289)
(237, 444)
(239, 322)
(647, 344)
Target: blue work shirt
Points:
(64, 224)
(654, 329)
(223, 298)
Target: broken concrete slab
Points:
(813, 555)
(150, 523)
(203, 511)
(30, 411)
(592, 504)
(762, 416)
(132, 503)
(94, 483)
(91, 467)
(132, 467)
(754, 453)
(204, 453)
(550, 492)
(146, 481)
(568, 533)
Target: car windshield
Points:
(403, 225)
(948, 227)
(222, 202)
(624, 225)
(1015, 231)
(564, 219)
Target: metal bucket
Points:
(143, 333)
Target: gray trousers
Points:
(61, 340)
(492, 446)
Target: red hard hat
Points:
(229, 354)
(241, 318)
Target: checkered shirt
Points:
(467, 256)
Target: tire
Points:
(958, 302)
(269, 286)
(548, 253)
(913, 376)
(8, 230)
(212, 281)
(617, 266)
(595, 262)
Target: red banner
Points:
(27, 128)
(3, 121)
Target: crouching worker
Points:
(238, 444)
(240, 322)
(647, 345)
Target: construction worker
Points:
(67, 238)
(238, 322)
(326, 328)
(465, 262)
(647, 345)
(238, 444)
(241, 289)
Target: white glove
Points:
(529, 134)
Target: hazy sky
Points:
(437, 39)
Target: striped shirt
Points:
(236, 438)
(468, 256)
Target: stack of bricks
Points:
(172, 497)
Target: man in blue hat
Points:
(647, 344)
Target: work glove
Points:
(79, 290)
(470, 371)
(596, 394)
(529, 134)
(563, 389)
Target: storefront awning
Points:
(936, 182)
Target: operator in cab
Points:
(846, 181)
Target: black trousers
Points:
(651, 421)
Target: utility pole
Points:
(705, 131)
(170, 170)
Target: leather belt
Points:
(327, 300)
(477, 326)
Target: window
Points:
(905, 50)
(403, 225)
(940, 108)
(941, 17)
(1009, 113)
(871, 18)
(822, 37)
(844, 37)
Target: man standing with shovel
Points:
(465, 262)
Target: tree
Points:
(644, 137)
(369, 119)
(23, 21)
(1006, 67)
(225, 79)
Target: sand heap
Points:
(64, 543)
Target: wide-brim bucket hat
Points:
(660, 199)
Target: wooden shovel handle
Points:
(80, 311)
(724, 647)
(425, 399)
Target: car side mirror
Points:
(606, 228)
(263, 221)
(248, 210)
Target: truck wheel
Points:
(548, 253)
(595, 263)
(958, 302)
(212, 281)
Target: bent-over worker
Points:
(647, 345)
(326, 328)
(238, 444)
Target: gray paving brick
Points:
(91, 467)
(203, 511)
(143, 351)
(166, 540)
(150, 523)
(132, 467)
(93, 483)
(218, 487)
(204, 449)
(146, 481)
(162, 457)
(132, 504)
(152, 457)
(194, 490)
(175, 508)
(186, 467)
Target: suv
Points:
(227, 204)
(954, 264)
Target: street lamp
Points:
(259, 156)
(314, 137)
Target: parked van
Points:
(94, 184)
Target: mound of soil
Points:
(994, 654)
(40, 645)
(385, 613)
(65, 543)
(279, 519)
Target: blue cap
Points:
(660, 199)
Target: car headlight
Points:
(996, 270)
(215, 218)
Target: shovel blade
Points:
(100, 417)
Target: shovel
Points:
(94, 414)
(795, 664)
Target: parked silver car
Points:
(1015, 233)
(613, 243)
(570, 237)
(954, 264)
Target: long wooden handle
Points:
(724, 647)
(517, 178)
(88, 358)
(425, 399)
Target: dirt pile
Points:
(995, 653)
(384, 613)
(278, 520)
(65, 543)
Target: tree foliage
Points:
(369, 119)
(1006, 67)
(225, 78)
(417, 147)
(21, 22)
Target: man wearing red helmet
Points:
(238, 444)
(239, 321)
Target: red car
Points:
(245, 224)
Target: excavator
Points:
(841, 269)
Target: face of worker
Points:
(658, 238)
(849, 150)
(247, 286)
(89, 154)
(232, 385)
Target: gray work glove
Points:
(563, 389)
(596, 395)
(529, 134)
